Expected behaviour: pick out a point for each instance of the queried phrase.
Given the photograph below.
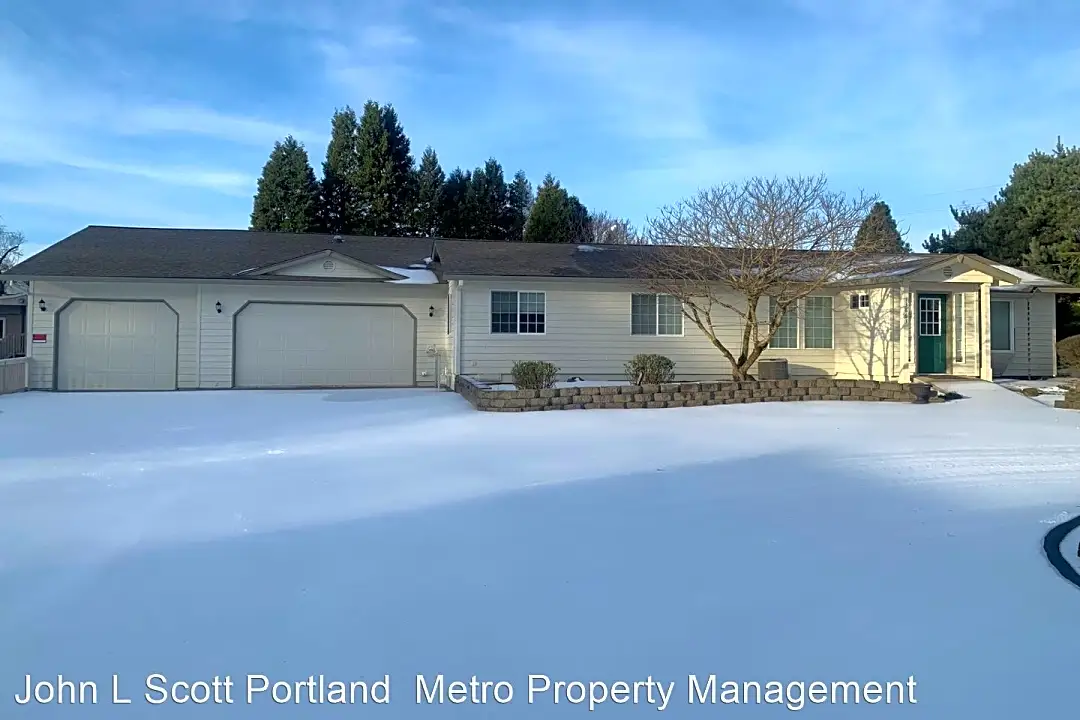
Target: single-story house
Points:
(115, 308)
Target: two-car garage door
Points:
(312, 345)
(132, 345)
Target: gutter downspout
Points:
(459, 341)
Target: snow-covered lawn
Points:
(357, 534)
(565, 384)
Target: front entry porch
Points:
(944, 334)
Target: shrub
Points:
(649, 370)
(1068, 351)
(533, 374)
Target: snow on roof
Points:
(1027, 278)
(589, 248)
(413, 276)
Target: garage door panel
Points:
(299, 345)
(116, 345)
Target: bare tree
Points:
(10, 251)
(605, 228)
(767, 239)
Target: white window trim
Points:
(517, 294)
(800, 326)
(657, 318)
(1012, 326)
(859, 301)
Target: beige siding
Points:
(205, 337)
(180, 296)
(866, 338)
(330, 267)
(588, 334)
(217, 329)
(1033, 337)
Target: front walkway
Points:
(991, 396)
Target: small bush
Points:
(1069, 352)
(649, 370)
(533, 374)
(1031, 392)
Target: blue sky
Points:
(162, 112)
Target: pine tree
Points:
(428, 208)
(454, 214)
(556, 216)
(402, 183)
(879, 233)
(486, 201)
(287, 198)
(375, 174)
(519, 202)
(340, 202)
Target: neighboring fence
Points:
(12, 346)
(13, 375)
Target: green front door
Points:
(931, 347)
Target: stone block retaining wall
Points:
(672, 395)
(1071, 401)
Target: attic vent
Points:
(947, 272)
(328, 266)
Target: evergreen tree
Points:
(287, 198)
(486, 202)
(375, 175)
(428, 208)
(519, 202)
(454, 214)
(879, 233)
(340, 201)
(556, 216)
(402, 183)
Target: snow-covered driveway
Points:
(352, 535)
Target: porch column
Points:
(986, 369)
(905, 319)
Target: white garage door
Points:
(298, 345)
(116, 345)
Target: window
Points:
(860, 301)
(819, 323)
(655, 315)
(787, 335)
(958, 327)
(3, 328)
(1001, 326)
(521, 313)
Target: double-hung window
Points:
(653, 314)
(520, 313)
(816, 331)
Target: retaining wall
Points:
(673, 395)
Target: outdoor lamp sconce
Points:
(41, 305)
(431, 311)
(218, 307)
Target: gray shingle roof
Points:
(122, 252)
(126, 252)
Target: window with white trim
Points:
(521, 313)
(787, 335)
(1001, 326)
(818, 323)
(655, 314)
(860, 301)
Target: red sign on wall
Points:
(40, 337)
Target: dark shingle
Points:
(122, 252)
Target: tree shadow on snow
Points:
(696, 569)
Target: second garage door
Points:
(306, 345)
